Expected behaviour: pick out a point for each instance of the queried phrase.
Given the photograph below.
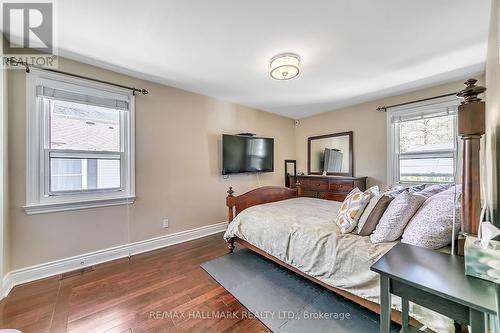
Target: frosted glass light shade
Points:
(285, 66)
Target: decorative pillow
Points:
(416, 188)
(387, 190)
(368, 209)
(352, 208)
(395, 191)
(373, 218)
(396, 217)
(430, 190)
(374, 190)
(431, 226)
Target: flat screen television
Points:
(243, 154)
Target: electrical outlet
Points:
(165, 223)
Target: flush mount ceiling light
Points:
(285, 66)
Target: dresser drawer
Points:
(312, 184)
(309, 194)
(342, 186)
(331, 196)
(333, 188)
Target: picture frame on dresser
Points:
(330, 154)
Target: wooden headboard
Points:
(255, 197)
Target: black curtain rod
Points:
(15, 62)
(384, 108)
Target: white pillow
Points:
(352, 208)
(396, 217)
(431, 226)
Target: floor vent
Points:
(76, 272)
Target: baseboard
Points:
(32, 273)
(6, 285)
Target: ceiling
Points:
(351, 51)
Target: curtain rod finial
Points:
(382, 109)
(141, 91)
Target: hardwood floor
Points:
(161, 291)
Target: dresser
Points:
(327, 187)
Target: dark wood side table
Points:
(436, 281)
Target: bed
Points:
(300, 234)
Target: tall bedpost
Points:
(230, 204)
(471, 127)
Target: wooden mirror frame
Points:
(287, 176)
(310, 139)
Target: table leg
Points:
(497, 322)
(405, 308)
(476, 319)
(385, 304)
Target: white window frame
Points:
(436, 106)
(39, 198)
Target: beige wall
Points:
(369, 131)
(492, 136)
(177, 171)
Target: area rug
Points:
(285, 301)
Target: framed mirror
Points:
(330, 154)
(290, 171)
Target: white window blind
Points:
(401, 116)
(71, 96)
(437, 107)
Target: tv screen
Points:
(241, 154)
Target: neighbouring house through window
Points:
(80, 143)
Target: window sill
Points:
(67, 206)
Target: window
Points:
(422, 141)
(80, 144)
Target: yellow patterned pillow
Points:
(351, 209)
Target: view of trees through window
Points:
(426, 134)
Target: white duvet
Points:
(302, 232)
